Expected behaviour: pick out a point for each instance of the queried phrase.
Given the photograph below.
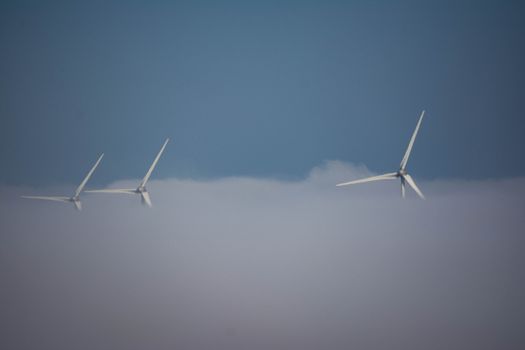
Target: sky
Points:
(268, 105)
(264, 89)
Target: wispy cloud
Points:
(244, 263)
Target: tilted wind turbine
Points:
(401, 173)
(141, 189)
(76, 197)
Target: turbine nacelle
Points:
(402, 172)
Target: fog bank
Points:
(247, 263)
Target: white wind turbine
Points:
(401, 173)
(76, 197)
(141, 189)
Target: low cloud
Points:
(247, 263)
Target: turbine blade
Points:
(146, 199)
(412, 184)
(150, 170)
(402, 187)
(110, 190)
(49, 198)
(404, 161)
(389, 176)
(83, 183)
(78, 205)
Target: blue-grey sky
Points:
(268, 88)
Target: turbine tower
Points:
(141, 189)
(401, 174)
(76, 197)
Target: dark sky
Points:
(269, 88)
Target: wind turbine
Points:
(76, 197)
(401, 173)
(141, 189)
